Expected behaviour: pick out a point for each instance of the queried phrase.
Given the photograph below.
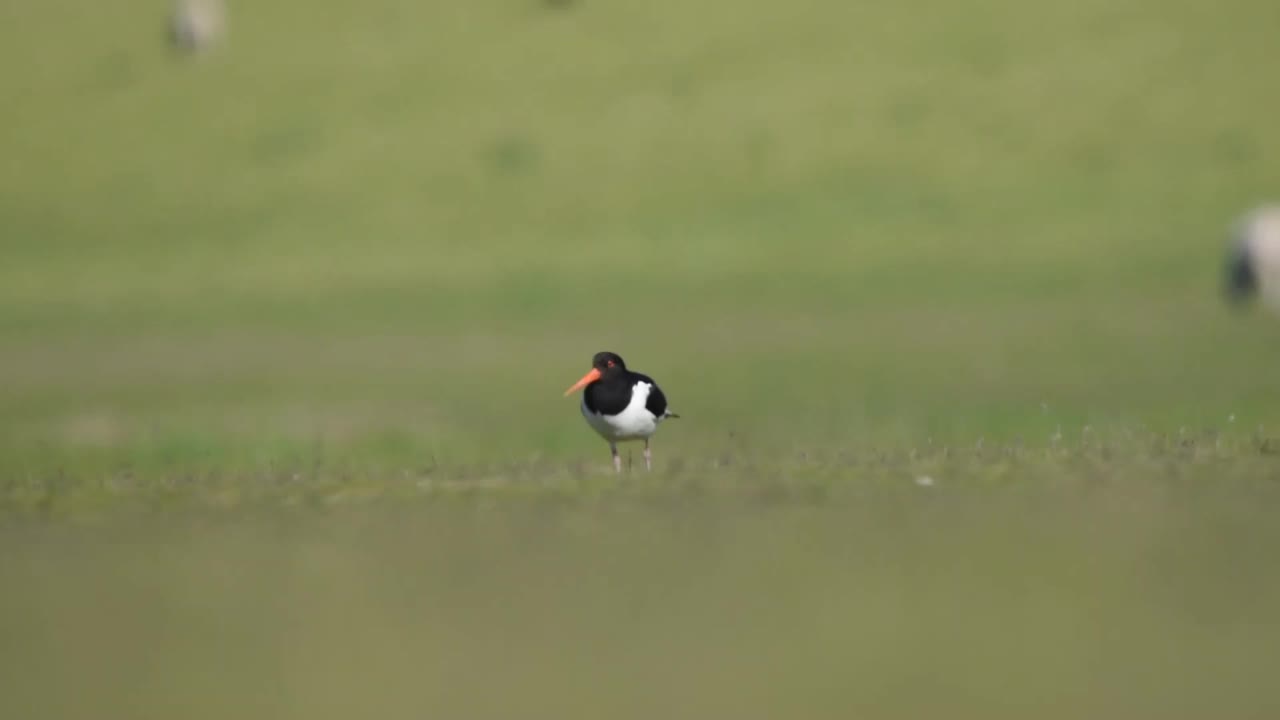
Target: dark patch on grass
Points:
(513, 156)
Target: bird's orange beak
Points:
(591, 376)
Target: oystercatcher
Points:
(1253, 263)
(621, 404)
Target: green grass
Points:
(283, 333)
(1059, 584)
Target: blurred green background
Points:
(409, 225)
(934, 285)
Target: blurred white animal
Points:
(196, 25)
(1253, 261)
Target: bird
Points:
(1253, 258)
(195, 25)
(621, 404)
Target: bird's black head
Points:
(603, 365)
(608, 363)
(1241, 279)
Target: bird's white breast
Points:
(1261, 235)
(634, 422)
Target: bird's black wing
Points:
(656, 403)
(1242, 278)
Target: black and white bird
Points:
(1253, 260)
(620, 404)
(196, 25)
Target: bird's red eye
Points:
(610, 363)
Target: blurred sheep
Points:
(196, 25)
(1253, 261)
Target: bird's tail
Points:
(670, 414)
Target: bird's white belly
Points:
(1260, 233)
(633, 423)
(1266, 265)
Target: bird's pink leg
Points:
(617, 461)
(648, 463)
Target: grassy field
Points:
(967, 429)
